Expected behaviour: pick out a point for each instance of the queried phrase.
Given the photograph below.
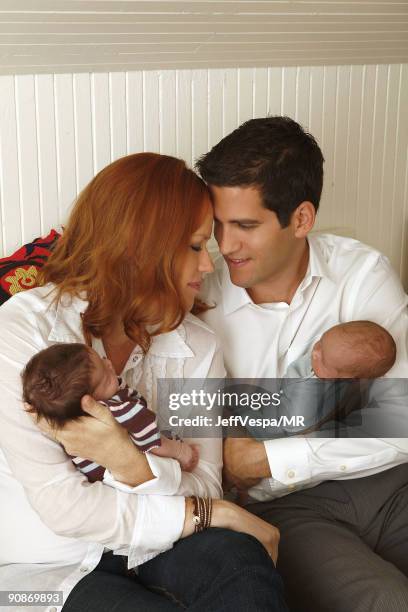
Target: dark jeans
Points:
(217, 570)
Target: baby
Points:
(311, 388)
(358, 349)
(354, 350)
(55, 380)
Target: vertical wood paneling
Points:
(117, 107)
(199, 112)
(328, 145)
(65, 131)
(151, 116)
(57, 131)
(245, 94)
(230, 110)
(134, 111)
(47, 151)
(289, 92)
(10, 186)
(101, 120)
(274, 91)
(260, 92)
(168, 112)
(350, 179)
(401, 167)
(184, 115)
(27, 158)
(84, 154)
(363, 220)
(302, 96)
(215, 102)
(340, 145)
(390, 209)
(375, 226)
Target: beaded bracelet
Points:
(202, 513)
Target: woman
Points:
(123, 278)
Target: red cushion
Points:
(18, 272)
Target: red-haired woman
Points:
(123, 278)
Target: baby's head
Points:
(358, 349)
(55, 380)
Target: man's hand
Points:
(100, 438)
(245, 463)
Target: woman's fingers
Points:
(95, 409)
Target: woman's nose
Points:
(205, 263)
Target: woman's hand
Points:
(100, 438)
(230, 516)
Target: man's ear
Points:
(303, 219)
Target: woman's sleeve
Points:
(65, 501)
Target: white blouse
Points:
(54, 524)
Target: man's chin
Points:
(240, 281)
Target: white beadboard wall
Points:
(58, 130)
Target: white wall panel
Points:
(10, 183)
(56, 131)
(84, 158)
(47, 151)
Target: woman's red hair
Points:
(124, 243)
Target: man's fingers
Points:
(95, 409)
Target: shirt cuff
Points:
(160, 522)
(166, 481)
(288, 460)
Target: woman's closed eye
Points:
(196, 247)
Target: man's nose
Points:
(205, 264)
(227, 242)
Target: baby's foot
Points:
(188, 456)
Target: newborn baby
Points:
(55, 380)
(358, 349)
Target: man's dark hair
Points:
(274, 155)
(55, 380)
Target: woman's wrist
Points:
(188, 528)
(223, 514)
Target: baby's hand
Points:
(188, 456)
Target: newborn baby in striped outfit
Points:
(55, 380)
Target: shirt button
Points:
(343, 468)
(53, 609)
(291, 474)
(291, 487)
(84, 569)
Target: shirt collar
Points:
(317, 262)
(235, 297)
(68, 328)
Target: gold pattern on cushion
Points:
(21, 279)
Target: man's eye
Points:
(196, 247)
(246, 226)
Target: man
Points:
(341, 503)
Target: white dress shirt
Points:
(345, 280)
(54, 524)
